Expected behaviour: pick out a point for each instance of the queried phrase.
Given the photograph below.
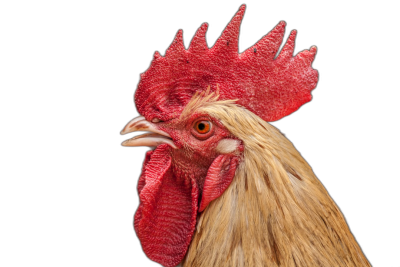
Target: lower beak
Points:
(154, 138)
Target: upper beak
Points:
(154, 138)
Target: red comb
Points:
(269, 87)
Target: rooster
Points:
(222, 187)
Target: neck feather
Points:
(275, 212)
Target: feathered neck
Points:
(275, 212)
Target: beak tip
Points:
(124, 131)
(151, 139)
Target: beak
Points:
(154, 138)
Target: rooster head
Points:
(195, 157)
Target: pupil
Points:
(201, 126)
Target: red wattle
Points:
(219, 177)
(141, 184)
(166, 217)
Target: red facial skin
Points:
(171, 186)
(195, 152)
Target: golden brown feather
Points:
(275, 212)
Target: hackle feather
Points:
(275, 212)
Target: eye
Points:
(202, 127)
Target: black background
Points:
(96, 53)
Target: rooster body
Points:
(222, 187)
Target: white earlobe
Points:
(226, 146)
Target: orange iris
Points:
(202, 127)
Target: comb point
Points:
(228, 42)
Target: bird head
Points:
(193, 140)
(194, 156)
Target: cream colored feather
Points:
(275, 212)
